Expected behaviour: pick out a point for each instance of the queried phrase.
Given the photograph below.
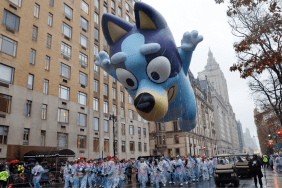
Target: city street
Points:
(270, 180)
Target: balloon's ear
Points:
(148, 18)
(114, 28)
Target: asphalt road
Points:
(271, 179)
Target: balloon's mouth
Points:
(171, 93)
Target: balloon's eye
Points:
(127, 79)
(158, 70)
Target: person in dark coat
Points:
(255, 168)
(128, 170)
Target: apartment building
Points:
(51, 93)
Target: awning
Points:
(50, 153)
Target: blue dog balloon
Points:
(145, 59)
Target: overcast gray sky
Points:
(210, 20)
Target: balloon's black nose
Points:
(145, 102)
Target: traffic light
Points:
(279, 133)
(204, 147)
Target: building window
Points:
(83, 59)
(46, 86)
(96, 18)
(83, 41)
(105, 89)
(30, 81)
(84, 7)
(145, 147)
(123, 129)
(106, 145)
(51, 2)
(96, 50)
(26, 137)
(130, 114)
(122, 146)
(131, 129)
(177, 151)
(47, 63)
(11, 20)
(65, 71)
(105, 1)
(32, 56)
(95, 104)
(139, 146)
(49, 40)
(113, 5)
(28, 108)
(83, 78)
(119, 12)
(130, 99)
(114, 93)
(82, 98)
(81, 142)
(6, 74)
(105, 42)
(114, 109)
(66, 30)
(96, 144)
(122, 112)
(96, 34)
(121, 96)
(44, 111)
(42, 138)
(115, 144)
(96, 124)
(62, 140)
(175, 126)
(132, 146)
(8, 46)
(50, 19)
(144, 132)
(3, 134)
(17, 2)
(63, 115)
(96, 69)
(96, 86)
(169, 151)
(64, 92)
(97, 4)
(139, 131)
(67, 11)
(105, 10)
(105, 75)
(34, 33)
(106, 107)
(5, 103)
(163, 126)
(66, 50)
(176, 139)
(114, 80)
(163, 139)
(160, 140)
(139, 117)
(36, 10)
(126, 17)
(81, 119)
(127, 6)
(84, 23)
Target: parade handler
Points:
(143, 170)
(81, 172)
(37, 172)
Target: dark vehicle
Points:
(242, 166)
(226, 173)
(149, 157)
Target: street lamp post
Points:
(114, 118)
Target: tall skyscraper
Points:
(215, 76)
(240, 135)
(52, 95)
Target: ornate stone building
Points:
(225, 119)
(168, 140)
